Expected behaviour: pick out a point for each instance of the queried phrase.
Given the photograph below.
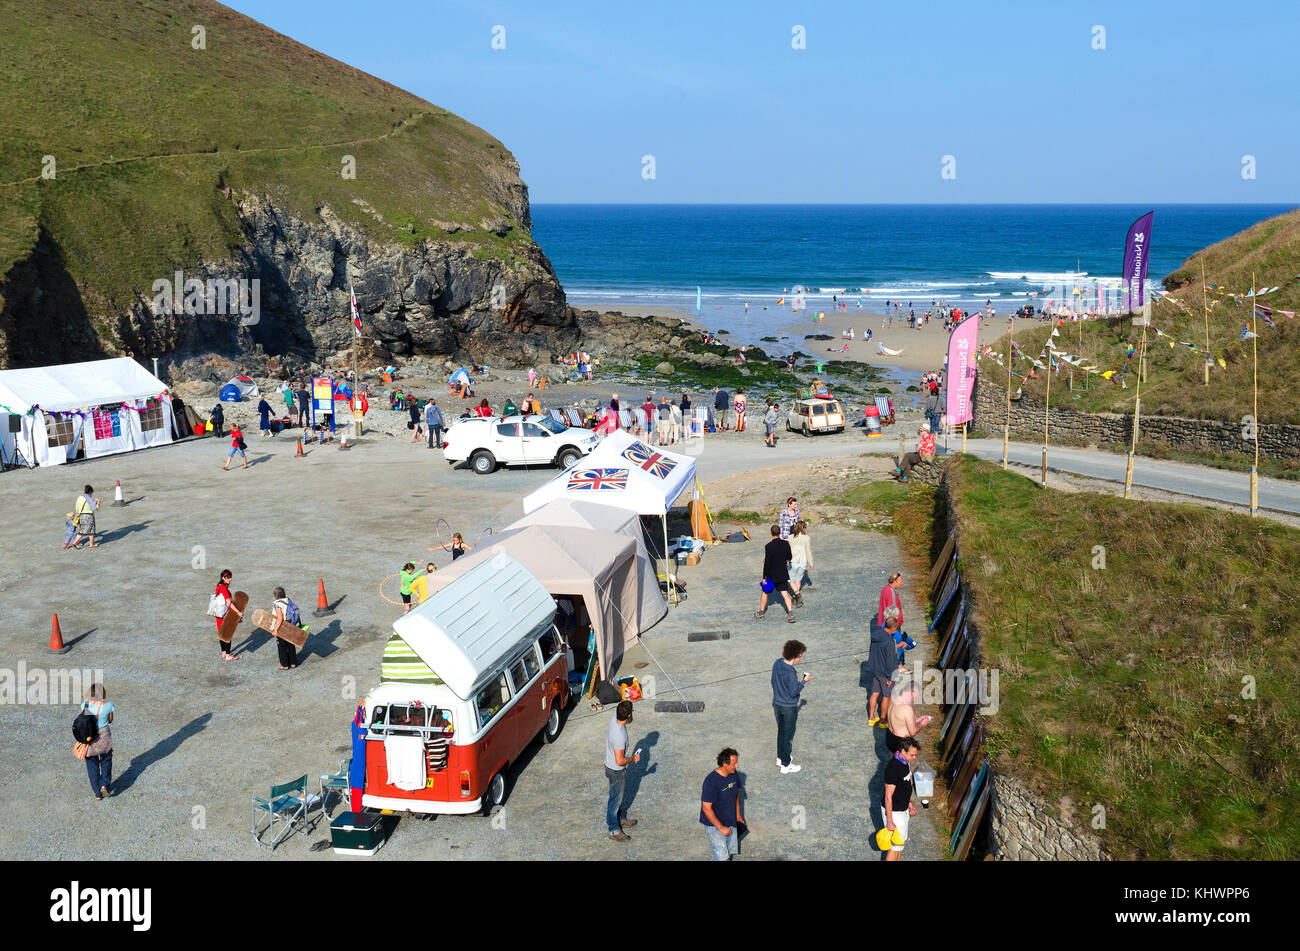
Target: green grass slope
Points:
(148, 132)
(1270, 251)
(1125, 686)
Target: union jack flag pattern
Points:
(652, 462)
(598, 479)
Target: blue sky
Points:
(1014, 92)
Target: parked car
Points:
(515, 440)
(815, 416)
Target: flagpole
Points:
(1205, 298)
(1254, 345)
(1137, 412)
(1047, 410)
(1006, 430)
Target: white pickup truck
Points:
(487, 442)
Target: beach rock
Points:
(665, 368)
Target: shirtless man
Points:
(902, 716)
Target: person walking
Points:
(882, 662)
(800, 561)
(83, 516)
(739, 407)
(896, 806)
(286, 612)
(616, 762)
(223, 591)
(932, 409)
(776, 575)
(720, 809)
(769, 420)
(99, 754)
(788, 517)
(218, 418)
(237, 445)
(787, 684)
(264, 417)
(889, 599)
(433, 423)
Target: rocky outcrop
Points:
(434, 299)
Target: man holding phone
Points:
(616, 761)
(787, 684)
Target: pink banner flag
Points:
(962, 344)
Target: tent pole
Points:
(672, 588)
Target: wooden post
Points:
(1254, 345)
(1006, 429)
(1047, 412)
(1137, 412)
(1205, 304)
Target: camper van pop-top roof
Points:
(465, 629)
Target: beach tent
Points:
(599, 567)
(230, 394)
(608, 518)
(624, 472)
(245, 385)
(107, 406)
(459, 377)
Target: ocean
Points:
(657, 255)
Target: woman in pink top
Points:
(924, 452)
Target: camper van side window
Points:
(491, 699)
(549, 644)
(519, 674)
(531, 662)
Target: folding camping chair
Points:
(556, 415)
(287, 805)
(573, 418)
(886, 409)
(334, 782)
(625, 419)
(700, 421)
(643, 426)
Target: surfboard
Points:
(289, 632)
(231, 621)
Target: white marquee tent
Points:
(107, 406)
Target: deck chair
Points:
(625, 419)
(334, 782)
(285, 809)
(886, 410)
(642, 425)
(573, 418)
(675, 431)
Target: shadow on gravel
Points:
(118, 534)
(160, 750)
(321, 643)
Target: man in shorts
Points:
(881, 664)
(720, 808)
(896, 807)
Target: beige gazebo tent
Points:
(599, 567)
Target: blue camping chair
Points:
(284, 810)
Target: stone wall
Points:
(1108, 429)
(1023, 826)
(1026, 829)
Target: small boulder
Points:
(666, 368)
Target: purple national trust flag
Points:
(1137, 247)
(962, 345)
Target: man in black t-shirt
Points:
(776, 574)
(720, 809)
(897, 808)
(721, 403)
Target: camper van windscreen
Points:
(413, 720)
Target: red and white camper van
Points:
(470, 677)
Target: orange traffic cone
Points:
(322, 604)
(56, 638)
(117, 494)
(343, 443)
(299, 454)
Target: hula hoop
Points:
(486, 531)
(437, 534)
(381, 589)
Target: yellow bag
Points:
(208, 427)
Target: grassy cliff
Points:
(150, 138)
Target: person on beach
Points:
(882, 661)
(924, 453)
(69, 529)
(720, 810)
(901, 715)
(416, 424)
(532, 376)
(665, 421)
(286, 612)
(304, 405)
(721, 403)
(933, 407)
(648, 411)
(788, 516)
(769, 420)
(483, 409)
(408, 575)
(896, 806)
(800, 561)
(740, 411)
(218, 420)
(99, 754)
(237, 445)
(616, 762)
(83, 516)
(776, 575)
(456, 546)
(786, 687)
(264, 417)
(223, 591)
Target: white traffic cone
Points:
(117, 494)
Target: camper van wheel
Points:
(805, 430)
(551, 731)
(495, 793)
(482, 462)
(568, 457)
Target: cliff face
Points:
(248, 160)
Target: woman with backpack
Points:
(286, 612)
(98, 753)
